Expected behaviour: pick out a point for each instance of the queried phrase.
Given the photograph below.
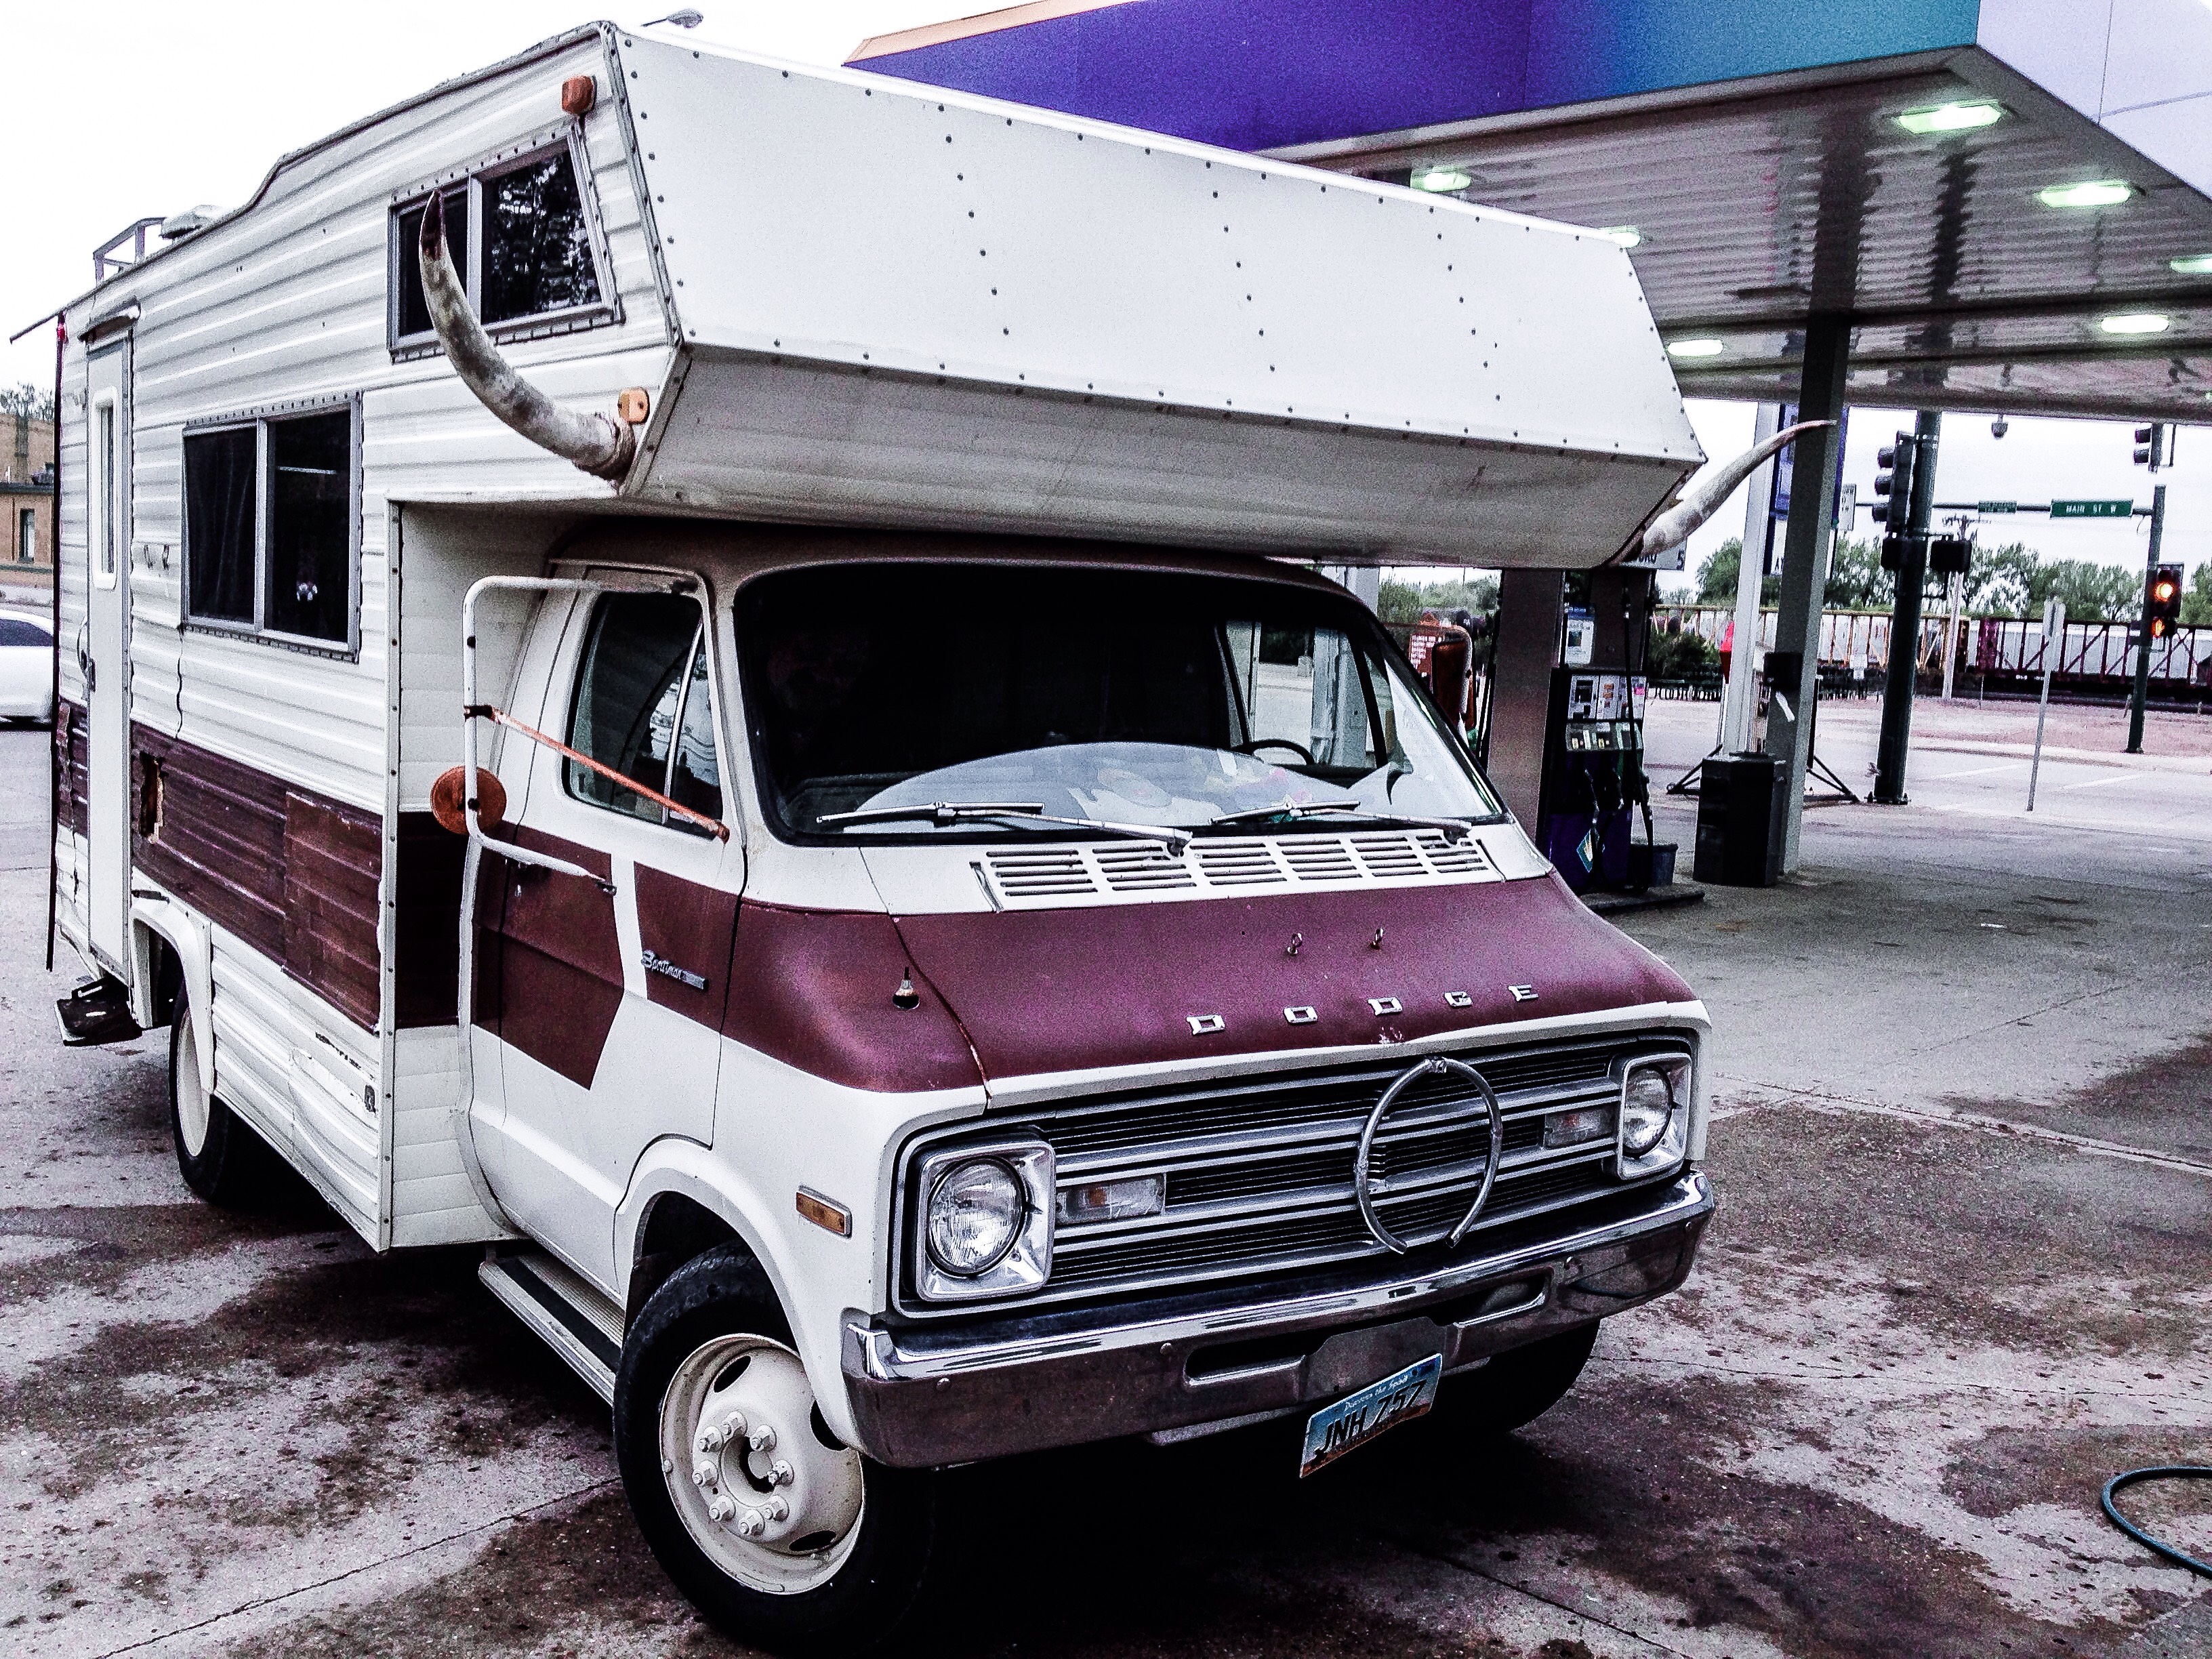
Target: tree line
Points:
(2012, 580)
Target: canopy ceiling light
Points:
(1627, 235)
(1442, 178)
(1695, 348)
(2135, 322)
(2090, 193)
(2192, 265)
(1951, 118)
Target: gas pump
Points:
(1593, 779)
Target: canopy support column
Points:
(1805, 561)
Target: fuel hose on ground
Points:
(2157, 1471)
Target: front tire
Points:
(781, 1534)
(221, 1159)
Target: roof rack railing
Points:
(105, 261)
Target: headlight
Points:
(1655, 1113)
(1647, 1105)
(985, 1225)
(974, 1216)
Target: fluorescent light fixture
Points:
(1694, 347)
(2135, 322)
(1442, 178)
(1951, 118)
(2090, 193)
(1627, 235)
(2192, 265)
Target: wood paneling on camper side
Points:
(291, 874)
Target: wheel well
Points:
(676, 1229)
(168, 972)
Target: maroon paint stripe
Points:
(815, 989)
(691, 927)
(560, 972)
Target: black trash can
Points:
(1740, 821)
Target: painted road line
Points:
(1975, 772)
(2117, 777)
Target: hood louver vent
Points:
(1133, 872)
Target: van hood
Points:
(1142, 983)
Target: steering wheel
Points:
(1299, 750)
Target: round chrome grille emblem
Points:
(1363, 1182)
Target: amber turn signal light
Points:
(578, 93)
(633, 405)
(825, 1212)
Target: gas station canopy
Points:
(2009, 201)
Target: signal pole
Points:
(1904, 551)
(2154, 449)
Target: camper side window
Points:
(646, 708)
(523, 240)
(272, 528)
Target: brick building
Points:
(27, 504)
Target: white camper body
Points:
(859, 327)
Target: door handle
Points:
(84, 662)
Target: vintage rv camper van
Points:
(707, 674)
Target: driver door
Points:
(610, 1006)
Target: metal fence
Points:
(1855, 642)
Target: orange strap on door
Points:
(714, 827)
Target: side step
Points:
(576, 1322)
(97, 1012)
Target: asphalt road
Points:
(1960, 1275)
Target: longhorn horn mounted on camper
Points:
(1674, 526)
(601, 445)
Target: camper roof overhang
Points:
(900, 307)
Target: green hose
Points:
(2160, 1472)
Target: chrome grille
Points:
(1258, 1171)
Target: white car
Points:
(27, 667)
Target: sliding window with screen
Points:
(524, 231)
(272, 527)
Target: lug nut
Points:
(762, 1439)
(716, 1435)
(725, 1508)
(776, 1509)
(704, 1474)
(751, 1524)
(781, 1474)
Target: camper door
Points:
(103, 653)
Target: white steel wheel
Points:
(192, 1098)
(769, 1499)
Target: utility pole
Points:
(2154, 449)
(1904, 552)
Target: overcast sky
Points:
(125, 110)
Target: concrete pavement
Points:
(1960, 1276)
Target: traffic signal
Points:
(1894, 483)
(2164, 611)
(2154, 449)
(1950, 556)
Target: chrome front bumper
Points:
(921, 1399)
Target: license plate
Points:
(1352, 1423)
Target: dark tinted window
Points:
(414, 313)
(642, 692)
(219, 514)
(311, 526)
(538, 252)
(1120, 695)
(16, 632)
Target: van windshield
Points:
(1134, 697)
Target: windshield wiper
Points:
(1290, 811)
(957, 811)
